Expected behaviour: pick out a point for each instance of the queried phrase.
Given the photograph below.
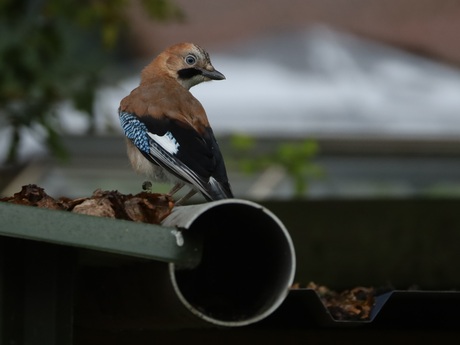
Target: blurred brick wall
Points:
(430, 27)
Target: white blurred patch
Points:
(166, 141)
(179, 238)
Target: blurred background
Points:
(323, 99)
(342, 117)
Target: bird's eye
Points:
(190, 59)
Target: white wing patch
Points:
(166, 141)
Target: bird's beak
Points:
(212, 74)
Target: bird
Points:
(168, 134)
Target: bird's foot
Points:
(175, 188)
(187, 196)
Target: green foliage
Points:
(163, 10)
(54, 50)
(296, 157)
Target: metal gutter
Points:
(406, 309)
(248, 262)
(103, 234)
(231, 262)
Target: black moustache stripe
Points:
(188, 73)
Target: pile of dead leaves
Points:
(354, 304)
(143, 207)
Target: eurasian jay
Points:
(169, 137)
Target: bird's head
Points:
(188, 63)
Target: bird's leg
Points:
(176, 188)
(147, 186)
(187, 196)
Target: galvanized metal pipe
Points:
(247, 264)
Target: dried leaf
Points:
(143, 207)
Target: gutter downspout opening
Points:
(247, 266)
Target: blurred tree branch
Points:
(295, 157)
(53, 50)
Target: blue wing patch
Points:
(136, 131)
